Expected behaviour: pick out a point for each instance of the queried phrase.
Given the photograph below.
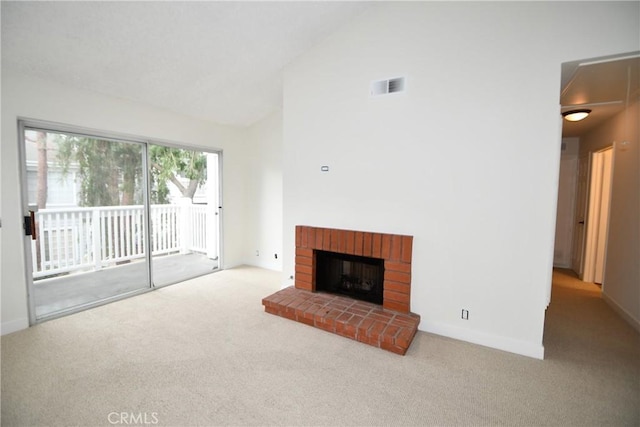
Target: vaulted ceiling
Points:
(218, 61)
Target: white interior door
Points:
(598, 216)
(603, 224)
(577, 251)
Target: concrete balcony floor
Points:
(57, 294)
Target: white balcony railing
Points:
(86, 239)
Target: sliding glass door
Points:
(184, 213)
(108, 217)
(87, 215)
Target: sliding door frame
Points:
(24, 124)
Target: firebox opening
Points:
(354, 276)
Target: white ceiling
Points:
(604, 86)
(218, 61)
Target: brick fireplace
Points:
(395, 250)
(390, 326)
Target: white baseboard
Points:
(501, 343)
(14, 326)
(267, 265)
(621, 311)
(562, 265)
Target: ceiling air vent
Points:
(383, 87)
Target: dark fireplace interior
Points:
(354, 276)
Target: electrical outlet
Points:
(465, 314)
(275, 256)
(257, 252)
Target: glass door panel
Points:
(184, 213)
(86, 197)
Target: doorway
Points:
(604, 87)
(109, 217)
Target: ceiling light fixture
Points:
(576, 115)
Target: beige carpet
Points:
(204, 353)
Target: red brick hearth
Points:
(359, 320)
(390, 326)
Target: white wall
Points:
(263, 209)
(621, 287)
(566, 202)
(38, 99)
(466, 160)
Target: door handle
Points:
(581, 222)
(30, 225)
